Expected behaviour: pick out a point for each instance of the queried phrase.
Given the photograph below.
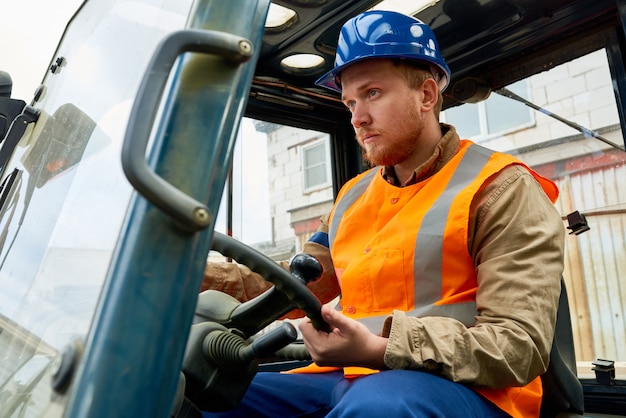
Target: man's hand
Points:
(349, 343)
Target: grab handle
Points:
(184, 209)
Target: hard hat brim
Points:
(330, 80)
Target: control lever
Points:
(272, 341)
(219, 364)
(237, 353)
(305, 268)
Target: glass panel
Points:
(314, 155)
(496, 115)
(315, 165)
(248, 218)
(315, 175)
(269, 193)
(465, 116)
(65, 195)
(506, 115)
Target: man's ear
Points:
(430, 91)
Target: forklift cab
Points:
(165, 135)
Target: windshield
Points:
(64, 196)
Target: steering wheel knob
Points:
(305, 268)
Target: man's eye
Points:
(372, 93)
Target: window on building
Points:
(315, 159)
(497, 115)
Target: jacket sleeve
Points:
(516, 240)
(243, 284)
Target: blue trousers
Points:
(388, 394)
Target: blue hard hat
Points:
(385, 34)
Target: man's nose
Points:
(360, 116)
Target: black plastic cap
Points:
(6, 84)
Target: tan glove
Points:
(235, 279)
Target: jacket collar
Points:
(446, 148)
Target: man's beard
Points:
(385, 155)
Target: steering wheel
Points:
(250, 317)
(221, 358)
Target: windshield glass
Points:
(64, 195)
(282, 185)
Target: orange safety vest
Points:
(407, 249)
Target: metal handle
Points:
(183, 208)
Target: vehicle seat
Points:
(562, 391)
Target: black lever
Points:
(272, 341)
(219, 363)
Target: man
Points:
(448, 256)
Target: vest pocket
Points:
(388, 281)
(375, 283)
